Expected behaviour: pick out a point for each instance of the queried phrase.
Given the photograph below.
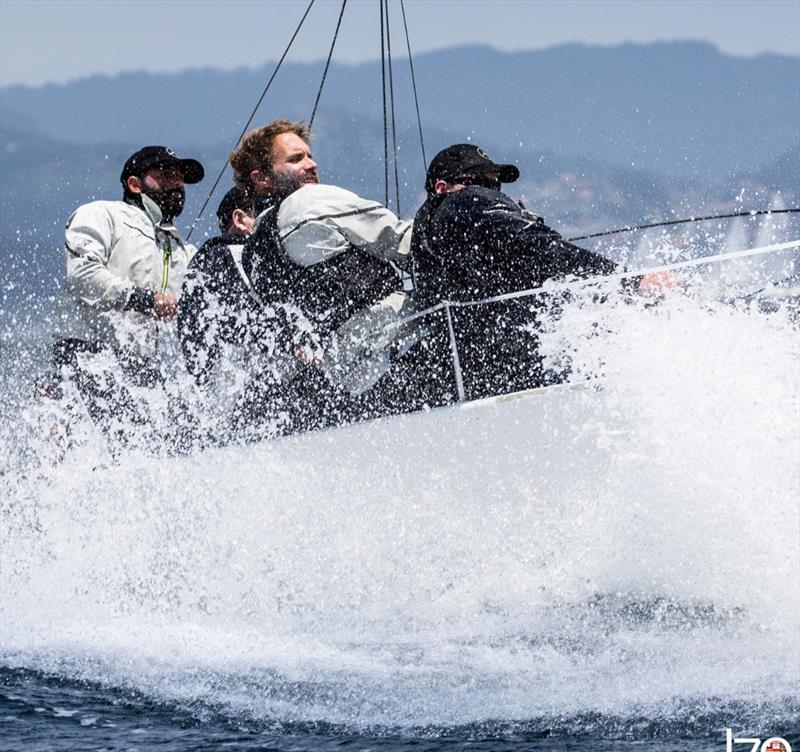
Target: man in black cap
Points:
(125, 262)
(226, 330)
(472, 242)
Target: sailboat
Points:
(740, 272)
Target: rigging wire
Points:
(750, 213)
(414, 87)
(327, 65)
(517, 297)
(391, 101)
(250, 119)
(385, 120)
(577, 284)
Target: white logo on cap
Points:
(482, 153)
(171, 153)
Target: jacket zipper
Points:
(167, 248)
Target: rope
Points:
(583, 282)
(250, 119)
(414, 87)
(643, 272)
(391, 100)
(750, 213)
(385, 120)
(327, 65)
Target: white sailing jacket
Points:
(318, 222)
(113, 248)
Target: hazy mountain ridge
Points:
(63, 145)
(678, 107)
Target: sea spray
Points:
(619, 549)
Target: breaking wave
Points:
(618, 554)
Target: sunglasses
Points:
(484, 181)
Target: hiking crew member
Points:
(472, 242)
(320, 254)
(217, 301)
(125, 263)
(227, 334)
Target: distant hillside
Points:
(783, 172)
(605, 137)
(680, 108)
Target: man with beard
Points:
(125, 263)
(321, 256)
(472, 242)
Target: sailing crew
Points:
(217, 302)
(125, 262)
(227, 334)
(320, 254)
(471, 241)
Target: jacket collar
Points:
(153, 212)
(264, 205)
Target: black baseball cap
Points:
(466, 159)
(234, 199)
(149, 157)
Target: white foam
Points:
(613, 549)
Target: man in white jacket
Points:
(125, 263)
(315, 223)
(322, 255)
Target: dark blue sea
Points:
(41, 712)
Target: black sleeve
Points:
(258, 259)
(141, 301)
(198, 327)
(493, 237)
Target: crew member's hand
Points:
(165, 306)
(655, 285)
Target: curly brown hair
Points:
(255, 150)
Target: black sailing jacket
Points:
(477, 243)
(216, 306)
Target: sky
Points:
(54, 41)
